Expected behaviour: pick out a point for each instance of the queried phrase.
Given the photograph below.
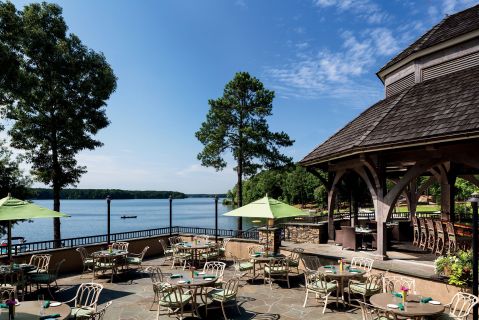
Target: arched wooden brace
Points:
(413, 192)
(331, 202)
(370, 183)
(386, 203)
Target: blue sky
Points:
(170, 57)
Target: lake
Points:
(88, 217)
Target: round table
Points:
(194, 283)
(262, 259)
(195, 247)
(413, 308)
(108, 257)
(334, 273)
(30, 310)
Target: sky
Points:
(172, 56)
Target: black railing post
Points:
(171, 213)
(474, 203)
(108, 202)
(216, 218)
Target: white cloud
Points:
(365, 9)
(326, 73)
(439, 9)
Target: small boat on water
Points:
(128, 217)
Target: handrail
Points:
(120, 236)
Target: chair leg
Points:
(287, 279)
(237, 306)
(223, 309)
(305, 298)
(325, 303)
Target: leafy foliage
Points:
(98, 194)
(236, 122)
(61, 104)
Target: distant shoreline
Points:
(118, 194)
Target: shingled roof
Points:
(450, 27)
(443, 108)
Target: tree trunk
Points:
(56, 192)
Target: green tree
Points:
(62, 107)
(300, 185)
(236, 122)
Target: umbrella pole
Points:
(9, 241)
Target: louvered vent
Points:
(400, 85)
(450, 66)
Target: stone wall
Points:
(306, 232)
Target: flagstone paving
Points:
(132, 296)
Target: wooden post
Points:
(108, 229)
(171, 213)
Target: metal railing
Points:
(121, 236)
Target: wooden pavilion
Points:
(427, 125)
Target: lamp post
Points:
(216, 218)
(108, 203)
(474, 200)
(171, 212)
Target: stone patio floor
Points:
(132, 296)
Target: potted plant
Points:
(443, 265)
(461, 269)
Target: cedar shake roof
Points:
(450, 27)
(435, 110)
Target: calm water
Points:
(88, 217)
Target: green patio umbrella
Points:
(267, 208)
(15, 209)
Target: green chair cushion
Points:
(133, 260)
(323, 286)
(245, 266)
(83, 312)
(268, 269)
(361, 288)
(221, 294)
(293, 263)
(209, 255)
(88, 261)
(41, 278)
(105, 265)
(172, 300)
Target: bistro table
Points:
(262, 258)
(194, 283)
(195, 248)
(412, 309)
(30, 310)
(106, 259)
(346, 274)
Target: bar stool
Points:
(451, 238)
(415, 241)
(423, 235)
(441, 238)
(431, 235)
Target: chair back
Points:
(462, 304)
(155, 274)
(393, 284)
(450, 230)
(54, 272)
(439, 227)
(120, 246)
(277, 265)
(171, 295)
(143, 252)
(7, 293)
(163, 245)
(83, 253)
(224, 243)
(310, 277)
(362, 263)
(295, 254)
(41, 261)
(374, 281)
(88, 295)
(370, 312)
(430, 225)
(202, 237)
(99, 315)
(415, 223)
(231, 287)
(310, 262)
(174, 240)
(215, 267)
(422, 224)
